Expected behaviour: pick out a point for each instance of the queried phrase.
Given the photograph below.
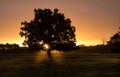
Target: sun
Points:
(46, 46)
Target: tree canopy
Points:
(50, 27)
(114, 42)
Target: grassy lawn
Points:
(61, 64)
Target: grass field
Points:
(61, 64)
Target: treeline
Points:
(114, 42)
(113, 45)
(96, 49)
(7, 46)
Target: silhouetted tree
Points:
(7, 46)
(114, 42)
(50, 27)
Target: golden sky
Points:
(95, 20)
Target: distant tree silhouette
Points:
(7, 46)
(114, 42)
(50, 27)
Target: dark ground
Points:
(61, 64)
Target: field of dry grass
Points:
(61, 64)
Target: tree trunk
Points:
(49, 52)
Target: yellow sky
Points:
(95, 20)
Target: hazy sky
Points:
(94, 20)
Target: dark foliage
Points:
(49, 27)
(114, 42)
(7, 47)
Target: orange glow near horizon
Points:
(16, 42)
(88, 43)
